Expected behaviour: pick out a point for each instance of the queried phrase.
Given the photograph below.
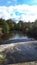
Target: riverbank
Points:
(26, 63)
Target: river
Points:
(19, 52)
(14, 37)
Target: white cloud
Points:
(27, 12)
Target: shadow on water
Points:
(6, 37)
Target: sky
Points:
(25, 10)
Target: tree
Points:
(11, 24)
(4, 25)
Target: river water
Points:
(14, 37)
(21, 36)
(19, 52)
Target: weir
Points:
(20, 53)
(4, 46)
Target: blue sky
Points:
(17, 2)
(18, 9)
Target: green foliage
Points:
(26, 27)
(4, 25)
(11, 24)
(2, 58)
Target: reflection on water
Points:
(19, 36)
(14, 35)
(6, 37)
